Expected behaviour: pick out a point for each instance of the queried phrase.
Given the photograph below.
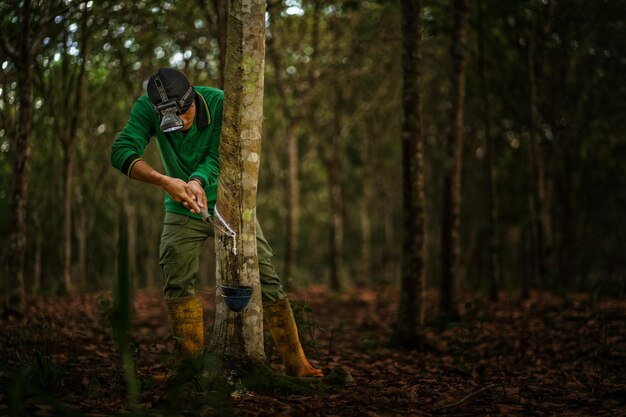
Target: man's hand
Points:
(182, 192)
(191, 194)
(198, 192)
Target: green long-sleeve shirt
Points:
(193, 155)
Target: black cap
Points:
(175, 84)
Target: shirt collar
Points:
(202, 115)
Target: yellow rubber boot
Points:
(185, 315)
(283, 328)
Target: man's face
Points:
(188, 116)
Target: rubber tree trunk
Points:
(335, 234)
(292, 118)
(493, 265)
(389, 263)
(333, 164)
(22, 57)
(17, 246)
(543, 219)
(68, 167)
(70, 101)
(450, 244)
(293, 204)
(240, 335)
(86, 219)
(37, 266)
(130, 213)
(365, 267)
(81, 242)
(411, 308)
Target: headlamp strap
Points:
(160, 88)
(164, 98)
(184, 98)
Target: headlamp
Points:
(171, 109)
(170, 121)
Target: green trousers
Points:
(181, 241)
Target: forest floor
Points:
(548, 355)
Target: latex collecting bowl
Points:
(236, 298)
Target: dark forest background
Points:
(544, 147)
(443, 184)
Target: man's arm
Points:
(128, 148)
(178, 189)
(133, 139)
(207, 172)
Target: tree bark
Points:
(335, 234)
(332, 161)
(493, 271)
(86, 214)
(366, 223)
(71, 96)
(293, 206)
(37, 267)
(130, 213)
(451, 250)
(292, 119)
(81, 241)
(68, 167)
(15, 300)
(240, 335)
(411, 308)
(541, 207)
(537, 267)
(389, 263)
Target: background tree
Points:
(493, 266)
(64, 87)
(412, 308)
(292, 119)
(451, 215)
(21, 41)
(338, 63)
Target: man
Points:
(187, 122)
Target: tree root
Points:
(210, 378)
